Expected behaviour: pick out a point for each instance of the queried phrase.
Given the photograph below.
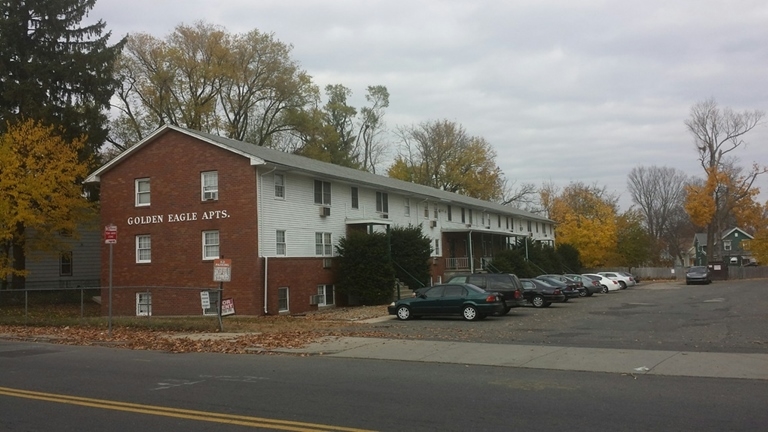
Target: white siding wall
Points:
(86, 252)
(299, 216)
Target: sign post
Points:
(110, 238)
(222, 272)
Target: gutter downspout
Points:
(261, 227)
(471, 258)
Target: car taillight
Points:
(557, 292)
(492, 298)
(517, 294)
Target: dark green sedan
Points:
(467, 300)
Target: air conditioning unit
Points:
(325, 211)
(432, 224)
(327, 263)
(384, 216)
(469, 225)
(530, 234)
(210, 196)
(315, 299)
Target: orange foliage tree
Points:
(40, 198)
(586, 219)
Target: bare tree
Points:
(522, 196)
(717, 132)
(370, 148)
(658, 192)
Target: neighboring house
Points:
(732, 248)
(181, 199)
(77, 266)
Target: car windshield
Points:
(593, 277)
(697, 269)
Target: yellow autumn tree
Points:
(586, 219)
(700, 199)
(40, 198)
(441, 154)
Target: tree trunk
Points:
(711, 233)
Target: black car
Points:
(591, 285)
(698, 274)
(467, 300)
(540, 293)
(569, 290)
(506, 284)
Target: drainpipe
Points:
(471, 258)
(266, 273)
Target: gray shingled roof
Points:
(324, 169)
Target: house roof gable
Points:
(266, 156)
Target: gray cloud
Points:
(565, 91)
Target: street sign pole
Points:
(110, 238)
(221, 293)
(110, 289)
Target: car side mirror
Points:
(422, 296)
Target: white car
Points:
(624, 281)
(607, 284)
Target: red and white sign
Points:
(227, 307)
(110, 234)
(222, 270)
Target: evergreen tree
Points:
(410, 251)
(365, 271)
(54, 71)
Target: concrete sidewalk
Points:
(625, 361)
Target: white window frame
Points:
(209, 185)
(382, 202)
(66, 260)
(279, 180)
(322, 196)
(407, 204)
(143, 304)
(322, 291)
(726, 245)
(280, 307)
(426, 210)
(323, 244)
(355, 197)
(209, 245)
(142, 193)
(436, 211)
(143, 244)
(437, 247)
(448, 211)
(280, 245)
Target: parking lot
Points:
(726, 316)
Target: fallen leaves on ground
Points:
(267, 334)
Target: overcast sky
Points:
(564, 90)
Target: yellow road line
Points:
(177, 412)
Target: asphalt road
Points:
(726, 316)
(70, 388)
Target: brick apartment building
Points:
(181, 199)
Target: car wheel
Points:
(583, 293)
(604, 290)
(404, 313)
(623, 284)
(470, 313)
(538, 301)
